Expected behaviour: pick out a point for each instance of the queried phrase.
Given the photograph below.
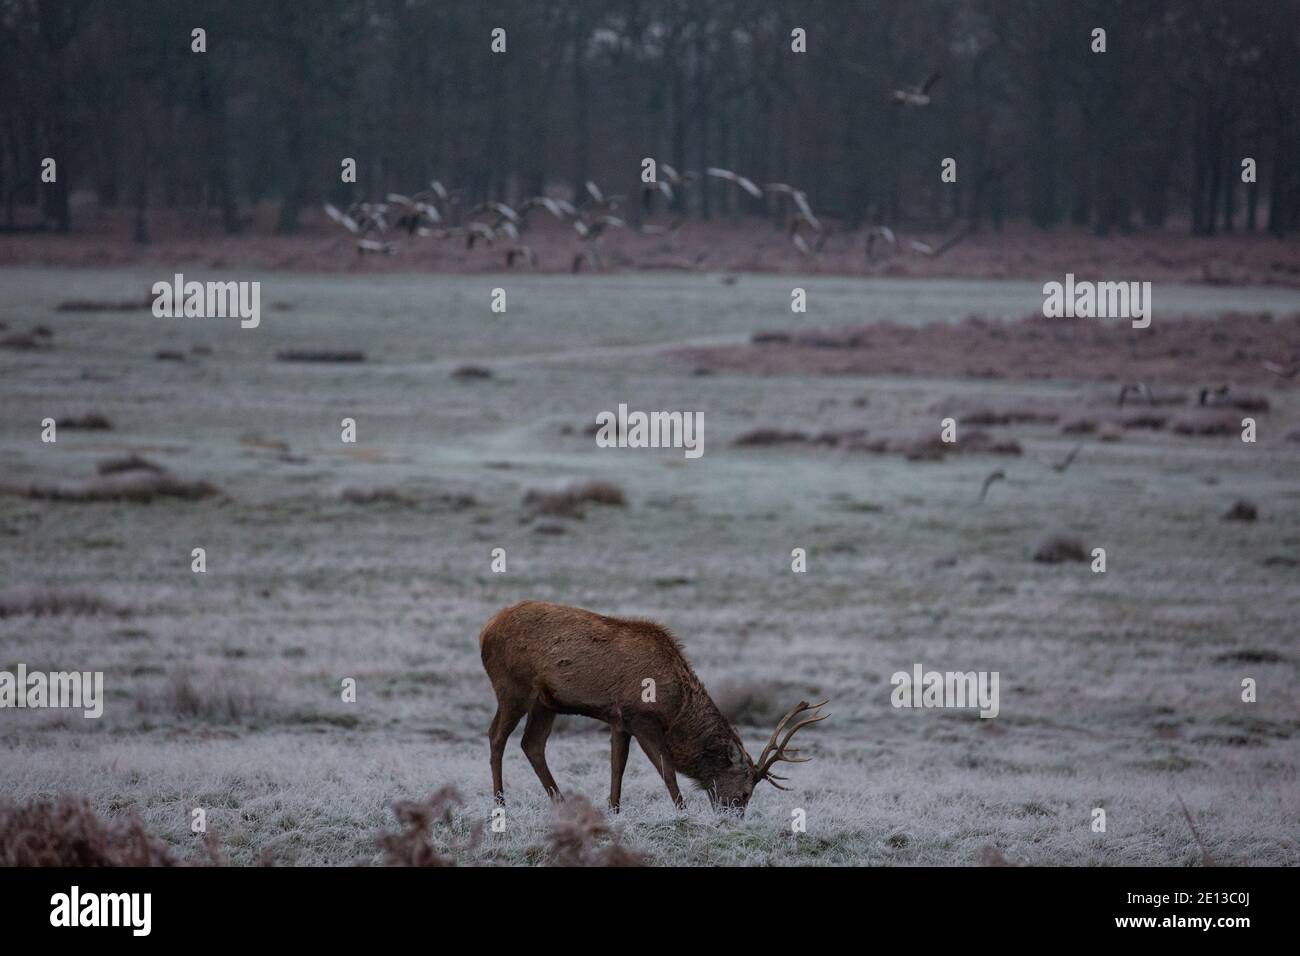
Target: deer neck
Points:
(700, 738)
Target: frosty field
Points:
(328, 560)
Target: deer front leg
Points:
(656, 748)
(620, 741)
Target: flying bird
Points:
(591, 231)
(794, 200)
(476, 231)
(1064, 463)
(504, 221)
(1281, 370)
(1214, 396)
(670, 185)
(411, 214)
(503, 212)
(915, 95)
(736, 179)
(343, 219)
(648, 191)
(676, 178)
(374, 247)
(1139, 388)
(349, 222)
(561, 209)
(998, 475)
(800, 225)
(878, 234)
(925, 249)
(599, 200)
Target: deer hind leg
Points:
(538, 728)
(503, 725)
(620, 741)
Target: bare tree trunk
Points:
(679, 130)
(140, 232)
(581, 113)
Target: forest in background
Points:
(1150, 133)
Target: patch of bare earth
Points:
(1236, 349)
(194, 237)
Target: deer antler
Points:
(774, 751)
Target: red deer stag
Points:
(547, 659)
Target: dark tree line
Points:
(1042, 127)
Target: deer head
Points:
(732, 789)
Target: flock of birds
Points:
(441, 213)
(438, 212)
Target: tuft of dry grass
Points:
(989, 855)
(761, 437)
(568, 502)
(104, 305)
(581, 836)
(139, 486)
(90, 421)
(1190, 351)
(1009, 415)
(929, 445)
(215, 699)
(133, 462)
(923, 447)
(1149, 420)
(1206, 424)
(412, 845)
(1245, 402)
(385, 494)
(68, 832)
(320, 355)
(1241, 510)
(981, 442)
(1057, 548)
(1196, 834)
(1250, 655)
(388, 494)
(831, 438)
(23, 341)
(48, 602)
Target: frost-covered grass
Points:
(1118, 691)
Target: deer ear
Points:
(736, 753)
